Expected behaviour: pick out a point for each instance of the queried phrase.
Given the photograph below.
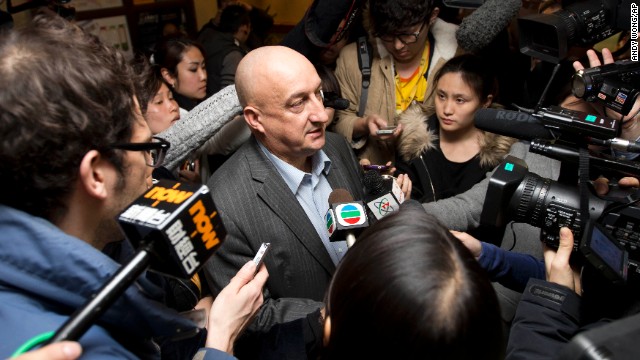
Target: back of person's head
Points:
(65, 93)
(170, 52)
(233, 17)
(389, 16)
(475, 72)
(409, 290)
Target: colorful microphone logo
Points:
(350, 214)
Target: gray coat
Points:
(257, 206)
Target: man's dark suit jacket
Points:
(257, 206)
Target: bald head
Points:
(266, 68)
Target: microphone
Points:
(478, 30)
(175, 227)
(383, 195)
(338, 104)
(565, 153)
(514, 124)
(345, 218)
(332, 100)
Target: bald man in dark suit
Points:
(275, 189)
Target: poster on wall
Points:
(111, 30)
(86, 5)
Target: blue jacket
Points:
(45, 275)
(511, 269)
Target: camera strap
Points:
(583, 173)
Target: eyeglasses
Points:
(157, 149)
(406, 39)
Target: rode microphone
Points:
(345, 218)
(544, 123)
(514, 124)
(383, 194)
(175, 227)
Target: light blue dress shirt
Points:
(312, 191)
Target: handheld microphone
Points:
(175, 227)
(478, 30)
(345, 218)
(331, 100)
(383, 195)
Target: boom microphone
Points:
(383, 195)
(478, 30)
(514, 124)
(175, 227)
(345, 218)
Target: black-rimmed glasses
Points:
(406, 39)
(157, 149)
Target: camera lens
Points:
(531, 199)
(578, 85)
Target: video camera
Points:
(611, 84)
(580, 23)
(610, 238)
(606, 229)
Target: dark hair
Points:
(65, 94)
(328, 79)
(389, 16)
(148, 81)
(409, 290)
(233, 17)
(170, 52)
(475, 72)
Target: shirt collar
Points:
(293, 177)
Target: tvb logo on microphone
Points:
(346, 216)
(350, 214)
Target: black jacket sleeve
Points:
(548, 316)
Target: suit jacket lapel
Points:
(277, 196)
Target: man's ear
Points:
(434, 15)
(93, 174)
(253, 118)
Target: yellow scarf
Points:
(414, 87)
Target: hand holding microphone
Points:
(175, 227)
(384, 194)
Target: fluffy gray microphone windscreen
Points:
(480, 28)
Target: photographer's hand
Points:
(557, 265)
(601, 184)
(469, 242)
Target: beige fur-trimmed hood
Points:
(416, 138)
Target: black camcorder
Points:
(608, 236)
(580, 23)
(611, 84)
(610, 239)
